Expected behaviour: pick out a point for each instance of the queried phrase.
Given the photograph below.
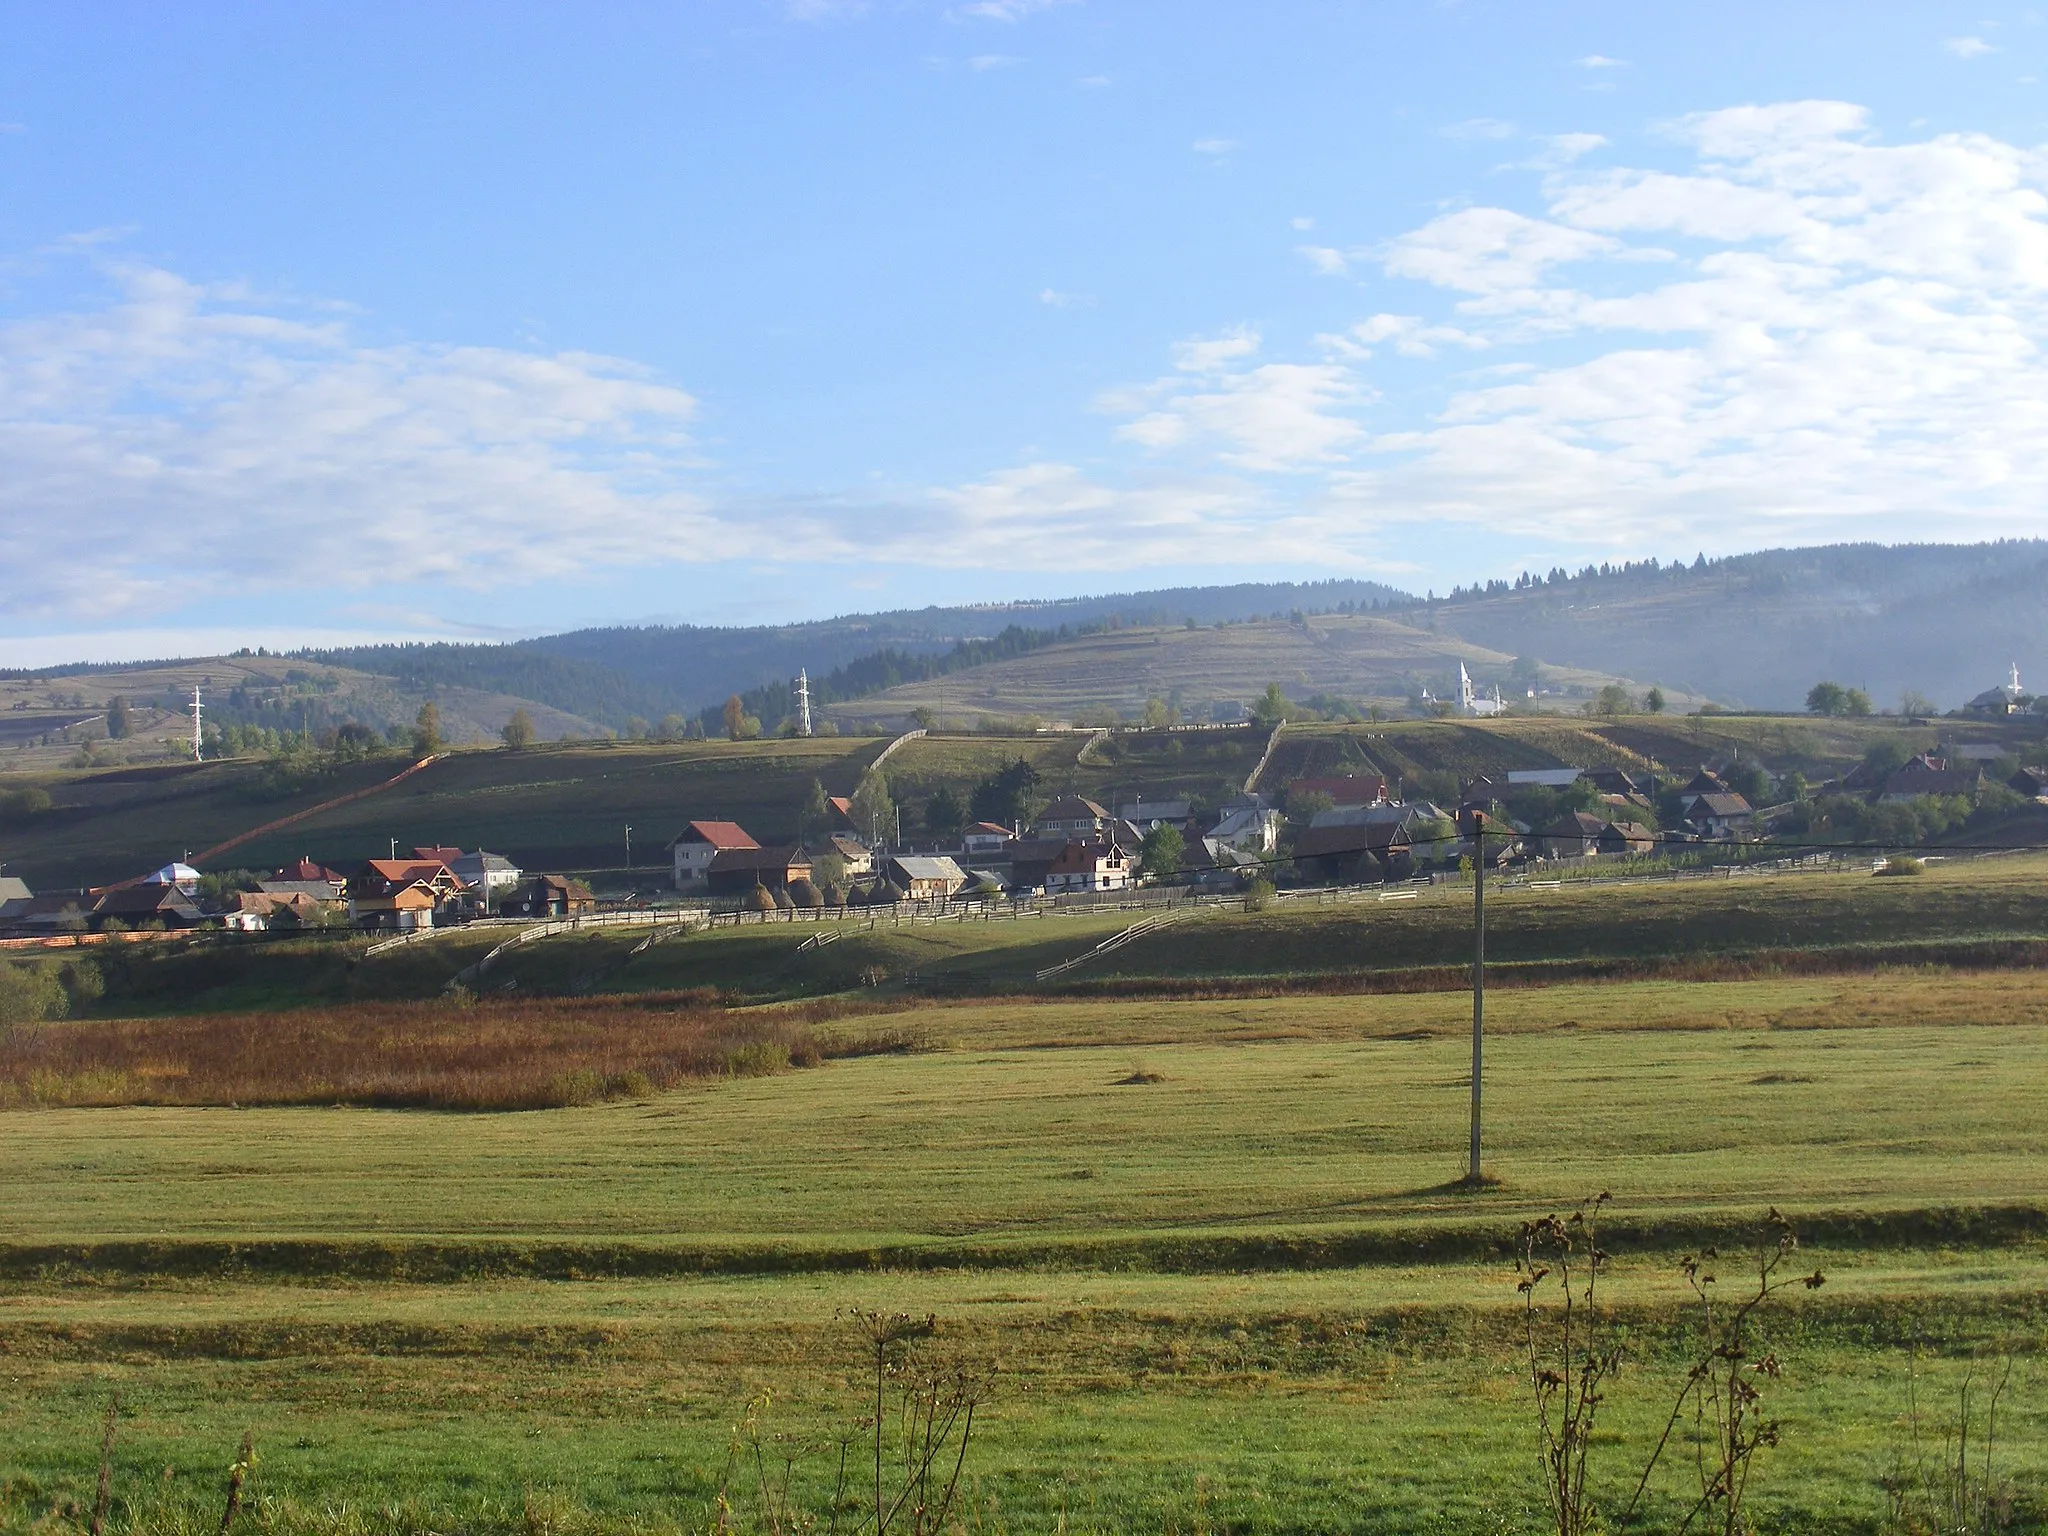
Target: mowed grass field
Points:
(1211, 1244)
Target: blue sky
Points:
(482, 321)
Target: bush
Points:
(1903, 866)
(1258, 894)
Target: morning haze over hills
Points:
(1939, 622)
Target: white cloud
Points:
(1094, 82)
(1967, 47)
(1302, 223)
(983, 62)
(1490, 251)
(1214, 146)
(194, 430)
(1274, 417)
(1601, 61)
(1055, 299)
(1008, 10)
(1326, 259)
(1855, 344)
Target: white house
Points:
(700, 843)
(985, 840)
(1088, 866)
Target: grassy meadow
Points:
(1195, 1203)
(1213, 1247)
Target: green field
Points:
(1214, 1247)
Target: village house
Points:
(491, 876)
(734, 872)
(148, 904)
(985, 840)
(1625, 839)
(182, 876)
(2031, 782)
(1574, 836)
(1718, 815)
(699, 843)
(1248, 824)
(1354, 849)
(1927, 775)
(1142, 815)
(404, 893)
(858, 858)
(549, 896)
(924, 878)
(1094, 864)
(15, 896)
(1070, 816)
(260, 911)
(303, 877)
(1031, 861)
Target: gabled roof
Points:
(13, 889)
(726, 860)
(719, 834)
(146, 901)
(1351, 837)
(848, 846)
(440, 855)
(1921, 780)
(406, 871)
(1577, 824)
(987, 829)
(1073, 808)
(1084, 858)
(575, 890)
(915, 867)
(1627, 832)
(1706, 782)
(1720, 806)
(304, 868)
(172, 874)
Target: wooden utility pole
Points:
(1472, 1175)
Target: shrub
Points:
(1902, 865)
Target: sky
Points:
(481, 321)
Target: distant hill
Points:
(652, 671)
(1361, 659)
(1945, 620)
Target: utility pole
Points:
(1472, 1174)
(629, 845)
(803, 709)
(196, 738)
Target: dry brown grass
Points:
(491, 1055)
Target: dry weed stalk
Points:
(104, 1497)
(1948, 1496)
(1568, 1365)
(1721, 1390)
(1572, 1359)
(915, 1433)
(238, 1473)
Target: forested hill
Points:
(657, 670)
(1943, 620)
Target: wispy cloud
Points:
(1480, 128)
(1008, 10)
(983, 62)
(1214, 147)
(1326, 259)
(1967, 47)
(1601, 61)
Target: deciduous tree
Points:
(518, 731)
